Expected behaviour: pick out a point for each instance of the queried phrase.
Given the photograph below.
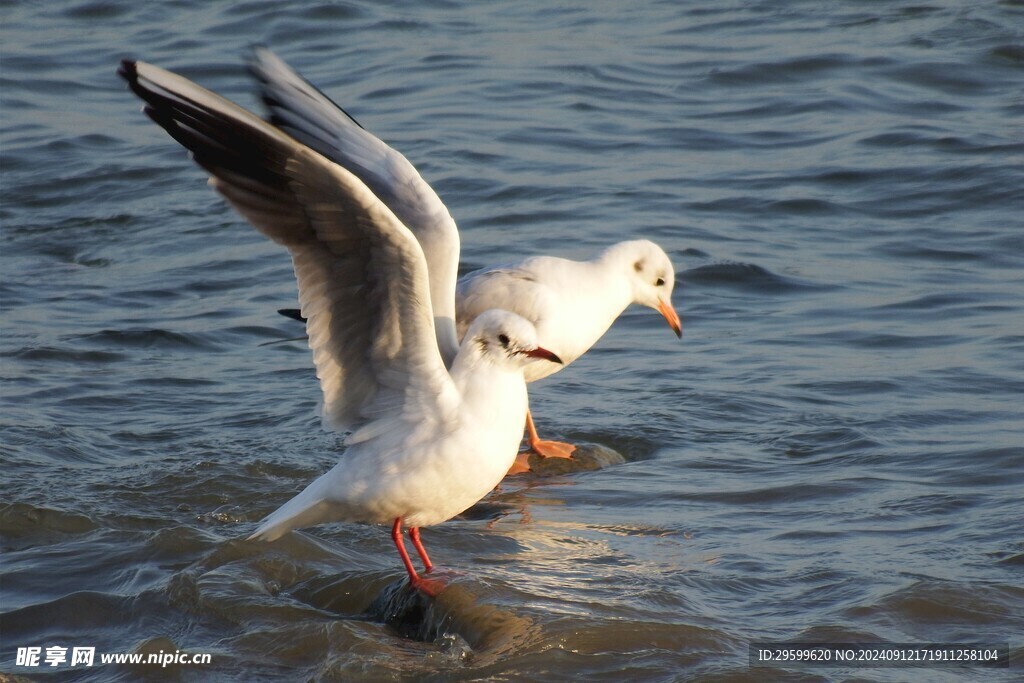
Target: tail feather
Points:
(311, 506)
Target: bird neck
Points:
(607, 277)
(473, 361)
(494, 392)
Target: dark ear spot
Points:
(638, 266)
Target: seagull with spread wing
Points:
(434, 426)
(571, 303)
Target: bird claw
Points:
(429, 587)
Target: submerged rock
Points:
(455, 619)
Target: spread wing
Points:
(362, 276)
(299, 109)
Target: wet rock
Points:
(586, 458)
(456, 619)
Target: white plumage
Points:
(428, 438)
(571, 303)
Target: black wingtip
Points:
(256, 70)
(128, 71)
(293, 313)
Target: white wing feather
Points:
(301, 110)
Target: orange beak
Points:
(671, 316)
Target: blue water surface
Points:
(833, 452)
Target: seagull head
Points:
(651, 276)
(505, 338)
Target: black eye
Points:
(503, 338)
(660, 282)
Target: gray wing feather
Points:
(301, 110)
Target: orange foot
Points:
(522, 464)
(552, 449)
(429, 587)
(545, 449)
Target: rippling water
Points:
(833, 453)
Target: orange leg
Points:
(426, 586)
(549, 449)
(396, 536)
(546, 449)
(414, 534)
